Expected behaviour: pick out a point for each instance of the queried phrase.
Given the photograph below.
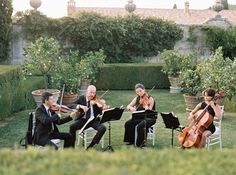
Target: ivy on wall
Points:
(121, 38)
(225, 38)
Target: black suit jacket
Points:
(82, 101)
(44, 122)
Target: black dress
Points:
(211, 127)
(129, 135)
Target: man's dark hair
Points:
(46, 96)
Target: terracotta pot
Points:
(68, 99)
(174, 81)
(37, 94)
(192, 101)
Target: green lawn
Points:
(15, 127)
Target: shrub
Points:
(219, 73)
(174, 63)
(126, 161)
(125, 76)
(5, 28)
(15, 94)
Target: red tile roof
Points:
(177, 15)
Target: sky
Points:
(57, 8)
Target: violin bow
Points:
(63, 89)
(104, 93)
(151, 89)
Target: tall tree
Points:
(225, 3)
(174, 6)
(5, 28)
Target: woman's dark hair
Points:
(139, 85)
(46, 96)
(210, 92)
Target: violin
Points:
(99, 101)
(144, 100)
(63, 108)
(60, 108)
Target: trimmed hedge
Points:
(15, 93)
(127, 161)
(125, 76)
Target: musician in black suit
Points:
(46, 121)
(143, 101)
(89, 108)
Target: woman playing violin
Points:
(141, 102)
(213, 110)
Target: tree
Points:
(175, 6)
(5, 28)
(225, 3)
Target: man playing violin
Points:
(142, 102)
(90, 107)
(213, 110)
(46, 121)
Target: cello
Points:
(191, 135)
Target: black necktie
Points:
(88, 113)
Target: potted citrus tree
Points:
(173, 64)
(219, 73)
(68, 75)
(42, 56)
(88, 67)
(191, 84)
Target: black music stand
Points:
(108, 116)
(142, 115)
(171, 122)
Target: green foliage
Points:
(67, 73)
(219, 73)
(225, 3)
(191, 82)
(15, 94)
(127, 161)
(217, 37)
(42, 56)
(34, 24)
(192, 37)
(5, 28)
(174, 63)
(121, 38)
(89, 64)
(125, 76)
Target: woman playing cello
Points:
(142, 102)
(211, 110)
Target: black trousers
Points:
(67, 137)
(130, 130)
(95, 124)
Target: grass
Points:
(14, 129)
